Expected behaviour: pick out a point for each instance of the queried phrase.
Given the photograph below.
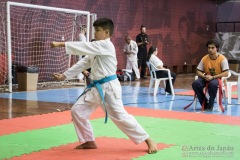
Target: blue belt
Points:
(97, 84)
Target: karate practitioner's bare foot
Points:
(152, 147)
(87, 145)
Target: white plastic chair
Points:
(233, 83)
(156, 81)
(224, 82)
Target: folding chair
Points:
(233, 83)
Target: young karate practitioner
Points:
(105, 91)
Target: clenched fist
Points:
(58, 76)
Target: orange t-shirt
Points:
(211, 66)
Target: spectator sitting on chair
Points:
(211, 67)
(131, 50)
(152, 58)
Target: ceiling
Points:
(219, 2)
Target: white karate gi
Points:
(132, 63)
(82, 38)
(101, 58)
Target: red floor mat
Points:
(191, 92)
(9, 126)
(189, 116)
(22, 124)
(108, 149)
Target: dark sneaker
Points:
(168, 92)
(210, 108)
(144, 78)
(206, 106)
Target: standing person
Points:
(82, 38)
(211, 67)
(152, 57)
(82, 34)
(106, 89)
(142, 42)
(131, 50)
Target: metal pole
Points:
(9, 48)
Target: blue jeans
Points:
(198, 87)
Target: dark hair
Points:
(215, 42)
(150, 52)
(105, 23)
(142, 26)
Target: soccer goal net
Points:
(26, 32)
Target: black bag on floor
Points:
(126, 75)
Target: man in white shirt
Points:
(82, 38)
(131, 50)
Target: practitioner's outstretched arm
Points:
(57, 44)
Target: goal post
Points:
(28, 30)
